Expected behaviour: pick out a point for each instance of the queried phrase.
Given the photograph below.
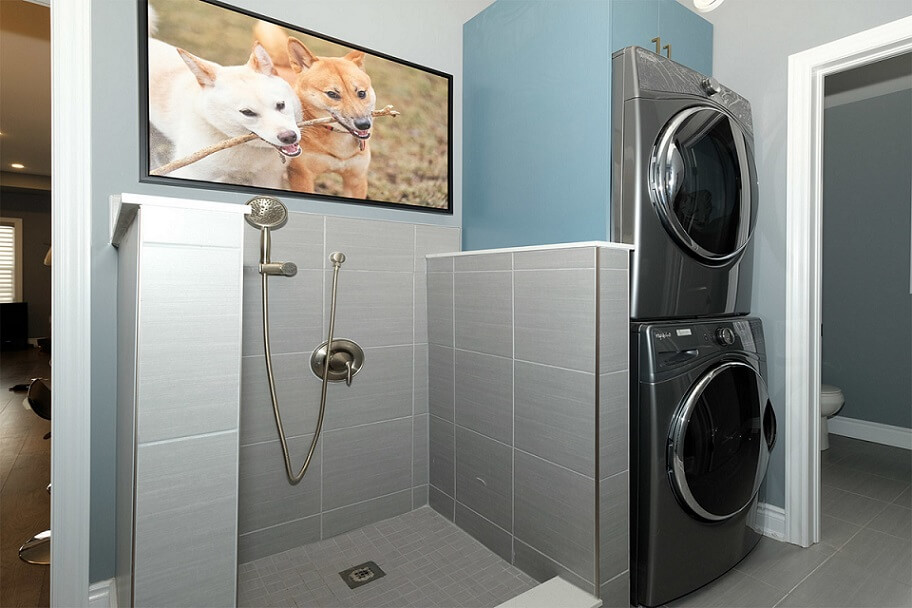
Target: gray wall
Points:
(752, 42)
(371, 461)
(34, 207)
(867, 306)
(426, 32)
(527, 454)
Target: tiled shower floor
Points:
(427, 560)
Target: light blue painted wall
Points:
(752, 43)
(537, 104)
(867, 306)
(425, 32)
(690, 36)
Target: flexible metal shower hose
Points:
(294, 478)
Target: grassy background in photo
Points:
(408, 153)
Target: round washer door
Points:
(719, 441)
(701, 181)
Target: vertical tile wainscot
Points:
(528, 385)
(178, 397)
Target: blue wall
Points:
(537, 99)
(537, 121)
(867, 306)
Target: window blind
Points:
(9, 251)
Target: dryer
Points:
(702, 428)
(684, 188)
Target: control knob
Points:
(725, 336)
(711, 86)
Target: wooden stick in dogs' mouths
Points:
(241, 139)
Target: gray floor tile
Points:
(905, 499)
(879, 591)
(735, 589)
(835, 532)
(873, 551)
(783, 565)
(863, 483)
(895, 520)
(834, 584)
(881, 460)
(853, 508)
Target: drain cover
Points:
(361, 574)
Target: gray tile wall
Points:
(613, 391)
(180, 351)
(516, 389)
(372, 460)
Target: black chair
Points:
(37, 549)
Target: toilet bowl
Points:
(831, 401)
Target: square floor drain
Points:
(361, 574)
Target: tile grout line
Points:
(323, 321)
(453, 291)
(414, 336)
(513, 412)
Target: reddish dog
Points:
(326, 86)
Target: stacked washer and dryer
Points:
(684, 194)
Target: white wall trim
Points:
(71, 229)
(876, 432)
(103, 594)
(771, 520)
(807, 71)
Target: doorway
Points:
(807, 73)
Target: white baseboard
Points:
(103, 594)
(885, 434)
(771, 520)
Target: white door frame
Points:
(807, 71)
(71, 239)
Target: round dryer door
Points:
(719, 441)
(701, 180)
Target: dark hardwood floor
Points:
(25, 470)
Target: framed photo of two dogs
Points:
(237, 101)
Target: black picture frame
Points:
(394, 162)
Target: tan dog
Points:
(326, 86)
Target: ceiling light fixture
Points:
(704, 6)
(17, 165)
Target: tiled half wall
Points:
(371, 462)
(528, 384)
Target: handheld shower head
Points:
(266, 212)
(337, 257)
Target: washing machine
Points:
(702, 428)
(683, 188)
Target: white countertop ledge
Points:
(578, 245)
(124, 206)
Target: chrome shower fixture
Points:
(267, 213)
(335, 360)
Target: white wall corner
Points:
(103, 594)
(875, 432)
(771, 521)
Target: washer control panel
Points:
(675, 344)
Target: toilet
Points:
(831, 401)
